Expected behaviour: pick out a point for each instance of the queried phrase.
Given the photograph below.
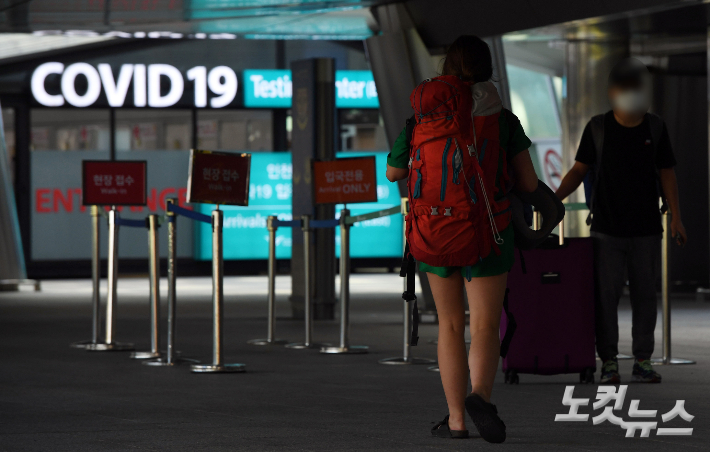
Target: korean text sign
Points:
(348, 180)
(120, 183)
(219, 178)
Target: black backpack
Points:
(591, 180)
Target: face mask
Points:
(632, 101)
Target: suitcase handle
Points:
(568, 207)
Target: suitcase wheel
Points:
(587, 376)
(511, 377)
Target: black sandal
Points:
(485, 418)
(442, 430)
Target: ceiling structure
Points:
(438, 22)
(217, 19)
(530, 27)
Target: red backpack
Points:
(454, 217)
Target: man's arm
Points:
(670, 190)
(572, 179)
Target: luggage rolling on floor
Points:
(551, 297)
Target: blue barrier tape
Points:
(287, 224)
(317, 224)
(131, 223)
(191, 214)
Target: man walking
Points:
(626, 154)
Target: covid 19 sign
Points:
(82, 85)
(132, 85)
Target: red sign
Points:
(219, 178)
(345, 181)
(118, 183)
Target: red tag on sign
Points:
(119, 183)
(219, 178)
(345, 181)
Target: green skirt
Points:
(491, 265)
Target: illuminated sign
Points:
(273, 88)
(153, 85)
(267, 88)
(270, 193)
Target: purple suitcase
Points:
(553, 307)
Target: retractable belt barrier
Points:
(406, 357)
(307, 225)
(109, 344)
(666, 359)
(172, 358)
(96, 215)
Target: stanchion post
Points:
(154, 275)
(667, 359)
(271, 227)
(307, 293)
(406, 357)
(111, 302)
(344, 347)
(217, 365)
(95, 280)
(96, 274)
(171, 355)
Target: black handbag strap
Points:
(408, 270)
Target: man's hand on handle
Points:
(678, 231)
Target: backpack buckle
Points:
(434, 210)
(447, 211)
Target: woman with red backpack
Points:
(458, 159)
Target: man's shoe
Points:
(643, 372)
(610, 372)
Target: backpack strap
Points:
(655, 123)
(408, 270)
(409, 129)
(597, 128)
(510, 330)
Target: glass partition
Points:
(69, 129)
(235, 130)
(149, 130)
(533, 100)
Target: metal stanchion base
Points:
(303, 346)
(403, 360)
(145, 355)
(433, 369)
(162, 362)
(217, 368)
(81, 344)
(351, 349)
(620, 356)
(112, 347)
(267, 342)
(672, 362)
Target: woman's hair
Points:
(470, 59)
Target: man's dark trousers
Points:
(613, 258)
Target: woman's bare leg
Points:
(485, 302)
(451, 349)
